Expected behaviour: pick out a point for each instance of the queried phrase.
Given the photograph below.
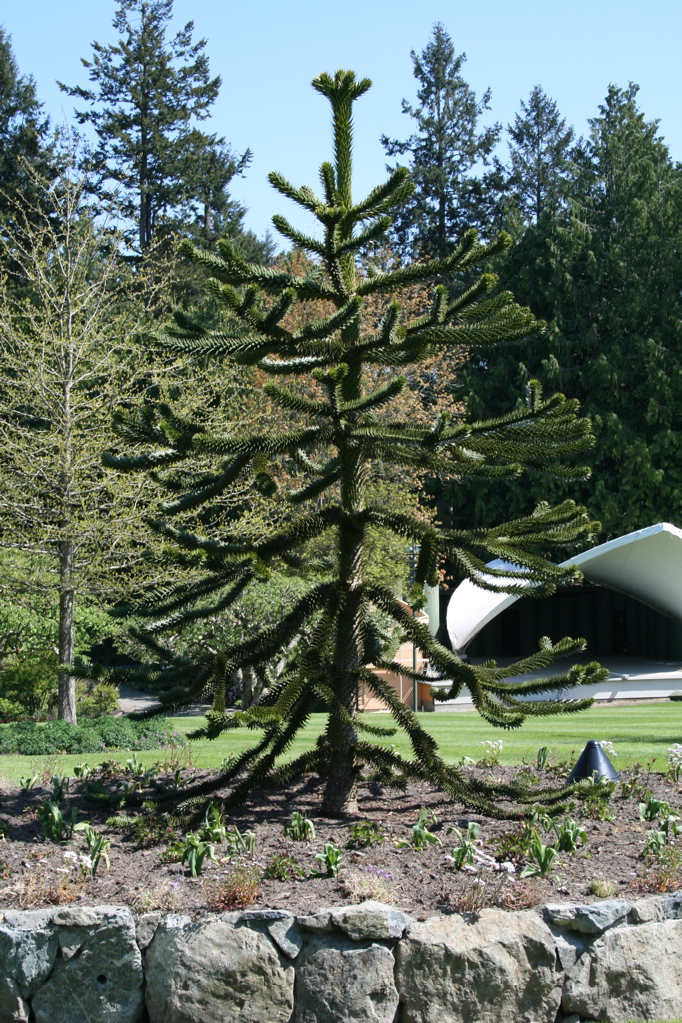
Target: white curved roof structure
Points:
(646, 564)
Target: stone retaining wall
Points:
(613, 960)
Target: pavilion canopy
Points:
(646, 564)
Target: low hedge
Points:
(94, 735)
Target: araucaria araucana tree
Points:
(340, 438)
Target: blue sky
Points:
(267, 53)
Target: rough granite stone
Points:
(27, 956)
(589, 919)
(321, 921)
(13, 1008)
(629, 973)
(370, 921)
(338, 980)
(287, 936)
(103, 979)
(265, 914)
(215, 971)
(146, 928)
(496, 966)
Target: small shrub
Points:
(149, 829)
(283, 868)
(90, 736)
(491, 756)
(372, 883)
(602, 889)
(664, 873)
(365, 834)
(237, 888)
(165, 897)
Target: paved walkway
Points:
(135, 700)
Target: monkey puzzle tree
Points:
(339, 438)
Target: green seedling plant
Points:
(464, 855)
(569, 835)
(300, 828)
(238, 843)
(653, 808)
(98, 846)
(422, 838)
(60, 786)
(655, 844)
(331, 858)
(56, 827)
(283, 868)
(543, 857)
(542, 759)
(28, 782)
(82, 771)
(365, 834)
(194, 850)
(213, 826)
(671, 826)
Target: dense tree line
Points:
(598, 235)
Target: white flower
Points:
(607, 747)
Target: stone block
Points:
(215, 971)
(629, 973)
(27, 954)
(101, 980)
(287, 936)
(592, 918)
(370, 921)
(338, 981)
(492, 967)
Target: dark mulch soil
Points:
(34, 872)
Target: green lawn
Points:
(638, 734)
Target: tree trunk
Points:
(341, 790)
(67, 683)
(247, 687)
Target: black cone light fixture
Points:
(593, 762)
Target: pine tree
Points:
(338, 380)
(539, 156)
(445, 147)
(607, 276)
(23, 128)
(147, 93)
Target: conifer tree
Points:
(23, 128)
(539, 156)
(339, 437)
(446, 144)
(147, 93)
(606, 275)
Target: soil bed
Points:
(35, 872)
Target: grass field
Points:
(639, 734)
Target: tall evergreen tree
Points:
(23, 128)
(607, 276)
(446, 145)
(339, 439)
(147, 93)
(539, 156)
